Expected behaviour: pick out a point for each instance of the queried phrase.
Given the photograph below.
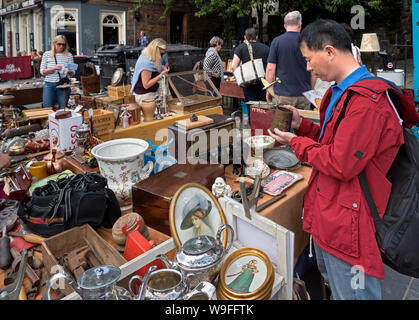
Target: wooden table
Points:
(25, 96)
(286, 212)
(156, 131)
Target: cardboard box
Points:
(64, 130)
(56, 246)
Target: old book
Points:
(188, 124)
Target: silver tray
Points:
(280, 158)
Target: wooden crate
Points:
(119, 92)
(163, 244)
(104, 102)
(56, 246)
(103, 121)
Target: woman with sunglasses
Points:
(52, 67)
(149, 70)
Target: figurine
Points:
(221, 189)
(124, 117)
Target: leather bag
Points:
(69, 202)
(249, 73)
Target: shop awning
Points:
(31, 7)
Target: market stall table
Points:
(26, 95)
(287, 211)
(149, 130)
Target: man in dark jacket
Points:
(253, 92)
(367, 139)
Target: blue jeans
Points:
(346, 282)
(51, 95)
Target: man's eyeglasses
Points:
(60, 44)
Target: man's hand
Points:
(296, 118)
(281, 136)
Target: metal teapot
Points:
(162, 284)
(97, 283)
(199, 259)
(83, 136)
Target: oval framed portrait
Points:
(246, 274)
(194, 211)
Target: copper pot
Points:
(54, 161)
(135, 112)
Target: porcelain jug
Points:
(121, 162)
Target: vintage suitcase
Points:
(198, 141)
(151, 197)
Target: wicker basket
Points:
(119, 92)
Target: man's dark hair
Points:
(323, 32)
(251, 34)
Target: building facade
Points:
(88, 24)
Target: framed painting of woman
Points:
(194, 211)
(246, 274)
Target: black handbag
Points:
(63, 80)
(69, 202)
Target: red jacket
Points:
(336, 213)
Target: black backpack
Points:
(397, 232)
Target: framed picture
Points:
(246, 274)
(194, 211)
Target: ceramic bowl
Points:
(259, 143)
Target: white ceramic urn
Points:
(121, 162)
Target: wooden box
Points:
(103, 121)
(56, 246)
(104, 102)
(151, 197)
(203, 138)
(119, 92)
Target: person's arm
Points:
(44, 69)
(71, 60)
(270, 76)
(146, 79)
(235, 63)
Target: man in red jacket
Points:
(368, 138)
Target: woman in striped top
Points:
(213, 64)
(52, 67)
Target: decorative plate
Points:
(117, 76)
(280, 158)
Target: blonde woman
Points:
(52, 67)
(149, 70)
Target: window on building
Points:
(110, 29)
(67, 26)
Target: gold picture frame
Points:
(253, 260)
(195, 211)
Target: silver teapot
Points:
(98, 283)
(199, 258)
(162, 284)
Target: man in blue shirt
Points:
(143, 39)
(286, 62)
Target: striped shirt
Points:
(48, 62)
(213, 63)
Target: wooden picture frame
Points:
(194, 211)
(273, 239)
(247, 274)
